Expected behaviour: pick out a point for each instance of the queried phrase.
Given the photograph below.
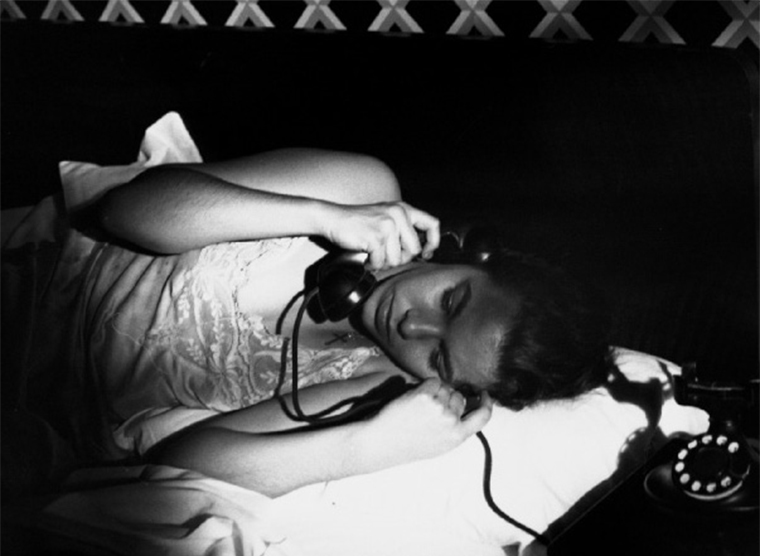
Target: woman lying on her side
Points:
(200, 262)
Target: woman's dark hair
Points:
(558, 344)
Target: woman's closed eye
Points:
(453, 301)
(447, 301)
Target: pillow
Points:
(165, 141)
(546, 461)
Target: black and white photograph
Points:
(380, 277)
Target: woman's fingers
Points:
(393, 248)
(388, 232)
(429, 226)
(412, 225)
(425, 422)
(409, 240)
(398, 239)
(454, 401)
(457, 402)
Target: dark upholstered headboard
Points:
(633, 165)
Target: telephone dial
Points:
(343, 283)
(717, 471)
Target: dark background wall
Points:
(659, 136)
(718, 23)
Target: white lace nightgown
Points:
(167, 333)
(128, 347)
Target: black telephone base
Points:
(667, 497)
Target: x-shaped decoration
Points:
(473, 15)
(248, 10)
(559, 17)
(394, 12)
(651, 21)
(317, 12)
(180, 10)
(120, 9)
(57, 8)
(745, 24)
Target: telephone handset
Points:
(343, 283)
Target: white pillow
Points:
(545, 459)
(165, 141)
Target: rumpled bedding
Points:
(546, 459)
(163, 510)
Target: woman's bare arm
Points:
(172, 209)
(261, 449)
(351, 200)
(340, 177)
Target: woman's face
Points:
(440, 320)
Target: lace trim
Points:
(236, 358)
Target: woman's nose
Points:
(418, 324)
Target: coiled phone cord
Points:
(323, 418)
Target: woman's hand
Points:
(422, 423)
(388, 232)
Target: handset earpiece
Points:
(344, 283)
(480, 243)
(469, 244)
(472, 397)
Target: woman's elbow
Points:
(352, 178)
(186, 449)
(108, 215)
(130, 220)
(381, 181)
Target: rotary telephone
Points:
(717, 471)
